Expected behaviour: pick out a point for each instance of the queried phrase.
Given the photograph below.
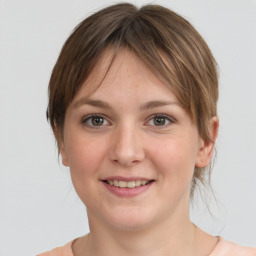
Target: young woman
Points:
(133, 106)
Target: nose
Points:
(127, 149)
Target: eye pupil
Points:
(97, 121)
(159, 121)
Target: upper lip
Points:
(126, 178)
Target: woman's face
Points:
(130, 146)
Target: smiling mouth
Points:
(128, 184)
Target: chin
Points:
(132, 219)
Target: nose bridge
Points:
(127, 148)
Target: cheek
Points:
(175, 167)
(84, 153)
(85, 157)
(175, 158)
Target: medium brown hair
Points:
(166, 42)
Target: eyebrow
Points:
(105, 105)
(91, 102)
(157, 103)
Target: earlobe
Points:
(61, 147)
(206, 147)
(63, 153)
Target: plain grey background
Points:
(39, 208)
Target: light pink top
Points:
(223, 248)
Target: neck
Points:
(174, 236)
(159, 240)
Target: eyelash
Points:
(161, 116)
(88, 118)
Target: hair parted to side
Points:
(167, 43)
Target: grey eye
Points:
(97, 121)
(159, 121)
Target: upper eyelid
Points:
(94, 115)
(170, 121)
(87, 117)
(164, 116)
(168, 117)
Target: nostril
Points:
(126, 148)
(125, 162)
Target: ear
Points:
(61, 146)
(206, 147)
(63, 152)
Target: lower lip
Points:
(128, 192)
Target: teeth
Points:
(131, 184)
(122, 184)
(127, 184)
(137, 183)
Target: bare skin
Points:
(193, 243)
(133, 126)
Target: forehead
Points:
(120, 72)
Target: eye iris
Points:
(97, 121)
(159, 121)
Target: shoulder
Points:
(227, 248)
(65, 250)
